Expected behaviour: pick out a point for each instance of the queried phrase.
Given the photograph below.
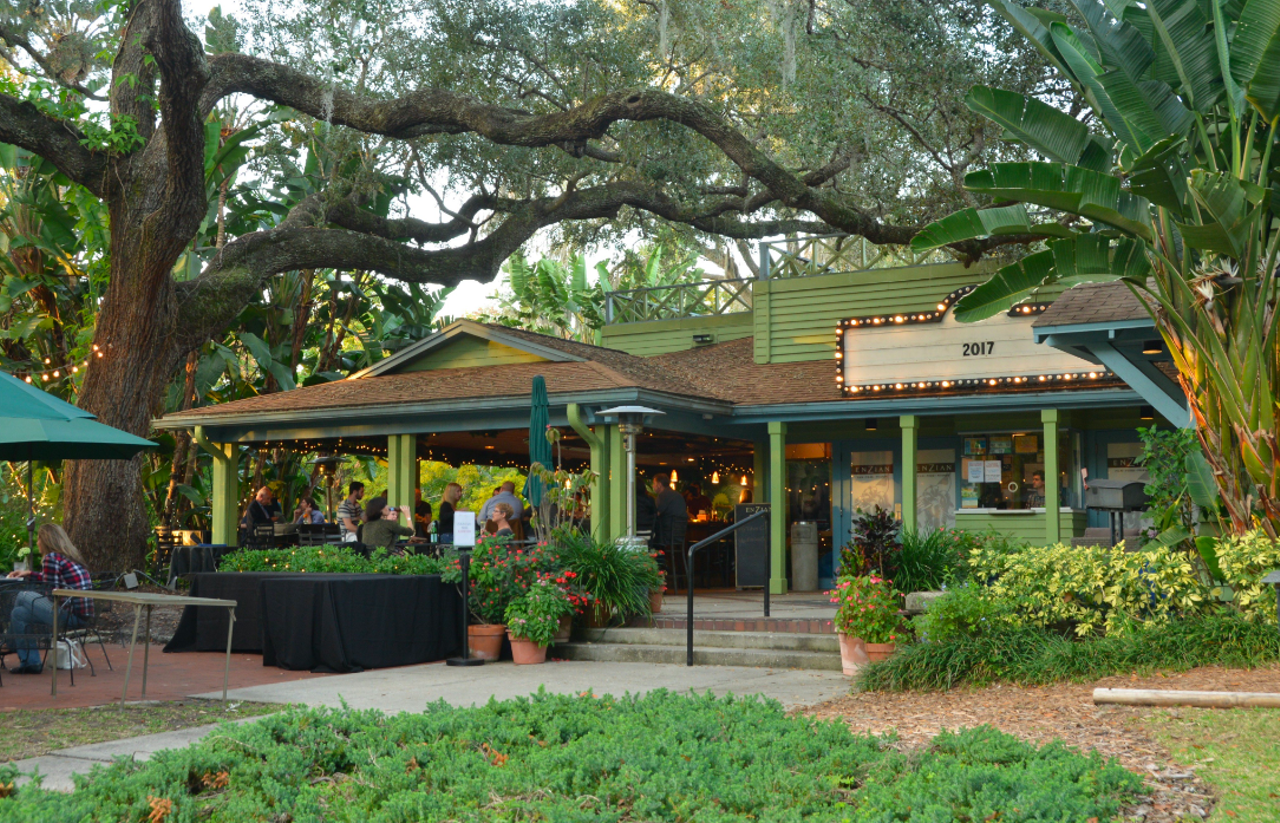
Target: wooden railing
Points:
(701, 299)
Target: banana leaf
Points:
(1255, 56)
(969, 224)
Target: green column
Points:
(617, 459)
(225, 505)
(908, 423)
(778, 501)
(1052, 484)
(402, 469)
(599, 445)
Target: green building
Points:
(836, 378)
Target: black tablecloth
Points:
(347, 623)
(327, 622)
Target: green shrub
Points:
(618, 578)
(661, 757)
(930, 559)
(1244, 561)
(964, 611)
(1032, 656)
(328, 560)
(1095, 589)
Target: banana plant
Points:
(1172, 186)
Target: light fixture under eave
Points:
(675, 477)
(715, 478)
(872, 423)
(1153, 347)
(1146, 413)
(746, 481)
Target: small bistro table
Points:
(138, 600)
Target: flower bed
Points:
(328, 560)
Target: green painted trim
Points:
(1052, 488)
(617, 460)
(760, 469)
(654, 337)
(402, 471)
(778, 505)
(910, 452)
(224, 512)
(1027, 526)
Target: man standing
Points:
(506, 494)
(350, 512)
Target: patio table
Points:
(139, 600)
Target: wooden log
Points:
(1208, 700)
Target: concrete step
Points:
(775, 641)
(702, 656)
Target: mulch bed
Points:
(1063, 712)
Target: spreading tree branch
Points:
(57, 141)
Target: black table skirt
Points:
(327, 622)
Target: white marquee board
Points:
(1000, 346)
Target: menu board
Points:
(751, 543)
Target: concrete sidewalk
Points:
(411, 688)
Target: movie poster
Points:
(935, 489)
(872, 481)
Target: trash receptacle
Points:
(804, 557)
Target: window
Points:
(1005, 470)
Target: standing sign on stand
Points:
(751, 543)
(464, 529)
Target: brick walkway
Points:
(169, 677)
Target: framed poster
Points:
(872, 481)
(975, 446)
(1026, 444)
(1002, 444)
(935, 489)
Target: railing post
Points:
(764, 261)
(608, 308)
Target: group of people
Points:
(61, 567)
(376, 523)
(265, 509)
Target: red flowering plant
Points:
(535, 615)
(500, 573)
(868, 609)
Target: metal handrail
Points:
(689, 573)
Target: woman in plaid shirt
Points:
(63, 568)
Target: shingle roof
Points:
(1093, 303)
(730, 371)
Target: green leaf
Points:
(1228, 201)
(1184, 32)
(1055, 134)
(1085, 192)
(1091, 258)
(1030, 27)
(1255, 56)
(1201, 483)
(1089, 72)
(969, 224)
(1120, 45)
(1160, 176)
(1168, 539)
(1208, 549)
(1008, 287)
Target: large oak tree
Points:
(739, 119)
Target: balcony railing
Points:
(779, 259)
(701, 299)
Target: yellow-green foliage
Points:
(1244, 561)
(1097, 588)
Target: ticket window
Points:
(1006, 471)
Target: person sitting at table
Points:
(421, 514)
(501, 521)
(307, 512)
(448, 503)
(382, 524)
(696, 500)
(351, 512)
(261, 511)
(62, 568)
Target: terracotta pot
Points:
(485, 640)
(655, 600)
(880, 651)
(853, 653)
(526, 652)
(565, 630)
(597, 618)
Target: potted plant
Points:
(867, 620)
(618, 577)
(533, 619)
(500, 573)
(655, 595)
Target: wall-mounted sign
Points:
(897, 353)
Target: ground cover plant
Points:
(328, 560)
(1030, 655)
(661, 757)
(34, 732)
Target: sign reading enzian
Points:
(932, 351)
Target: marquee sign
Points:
(932, 351)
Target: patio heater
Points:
(631, 420)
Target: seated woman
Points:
(62, 568)
(307, 512)
(382, 524)
(501, 519)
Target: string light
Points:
(63, 371)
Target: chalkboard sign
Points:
(752, 544)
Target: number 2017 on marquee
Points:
(979, 349)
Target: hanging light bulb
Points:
(675, 477)
(745, 480)
(715, 478)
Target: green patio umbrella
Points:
(35, 425)
(539, 448)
